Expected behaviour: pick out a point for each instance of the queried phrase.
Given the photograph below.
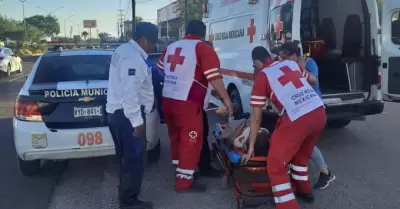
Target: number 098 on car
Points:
(90, 139)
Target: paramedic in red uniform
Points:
(190, 65)
(302, 119)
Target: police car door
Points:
(391, 50)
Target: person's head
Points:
(146, 35)
(290, 51)
(260, 57)
(197, 28)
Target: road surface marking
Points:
(18, 77)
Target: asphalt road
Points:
(364, 156)
(17, 191)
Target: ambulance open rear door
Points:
(390, 55)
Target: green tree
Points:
(104, 36)
(35, 34)
(85, 34)
(194, 9)
(48, 24)
(138, 19)
(77, 38)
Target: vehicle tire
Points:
(337, 124)
(20, 68)
(153, 156)
(237, 103)
(9, 70)
(28, 168)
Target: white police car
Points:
(60, 110)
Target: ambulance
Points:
(341, 35)
(390, 67)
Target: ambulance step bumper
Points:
(354, 111)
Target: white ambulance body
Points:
(390, 68)
(341, 36)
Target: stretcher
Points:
(244, 178)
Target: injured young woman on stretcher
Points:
(234, 135)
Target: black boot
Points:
(195, 188)
(308, 198)
(136, 205)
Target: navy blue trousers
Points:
(129, 153)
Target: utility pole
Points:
(120, 21)
(65, 30)
(70, 31)
(118, 28)
(133, 17)
(23, 16)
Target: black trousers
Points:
(129, 153)
(205, 156)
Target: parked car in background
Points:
(9, 62)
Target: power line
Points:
(128, 10)
(120, 21)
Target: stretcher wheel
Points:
(239, 198)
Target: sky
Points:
(104, 11)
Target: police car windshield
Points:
(53, 69)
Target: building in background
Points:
(170, 25)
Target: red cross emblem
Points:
(251, 31)
(193, 134)
(278, 26)
(175, 59)
(290, 76)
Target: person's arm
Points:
(146, 93)
(258, 100)
(209, 62)
(302, 66)
(160, 62)
(132, 79)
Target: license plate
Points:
(39, 140)
(90, 138)
(87, 111)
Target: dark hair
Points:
(147, 30)
(260, 53)
(290, 48)
(196, 27)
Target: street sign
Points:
(90, 24)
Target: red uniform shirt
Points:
(207, 69)
(262, 90)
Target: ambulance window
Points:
(280, 23)
(396, 27)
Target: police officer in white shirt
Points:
(130, 96)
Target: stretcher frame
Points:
(254, 165)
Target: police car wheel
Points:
(337, 124)
(237, 103)
(28, 168)
(153, 156)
